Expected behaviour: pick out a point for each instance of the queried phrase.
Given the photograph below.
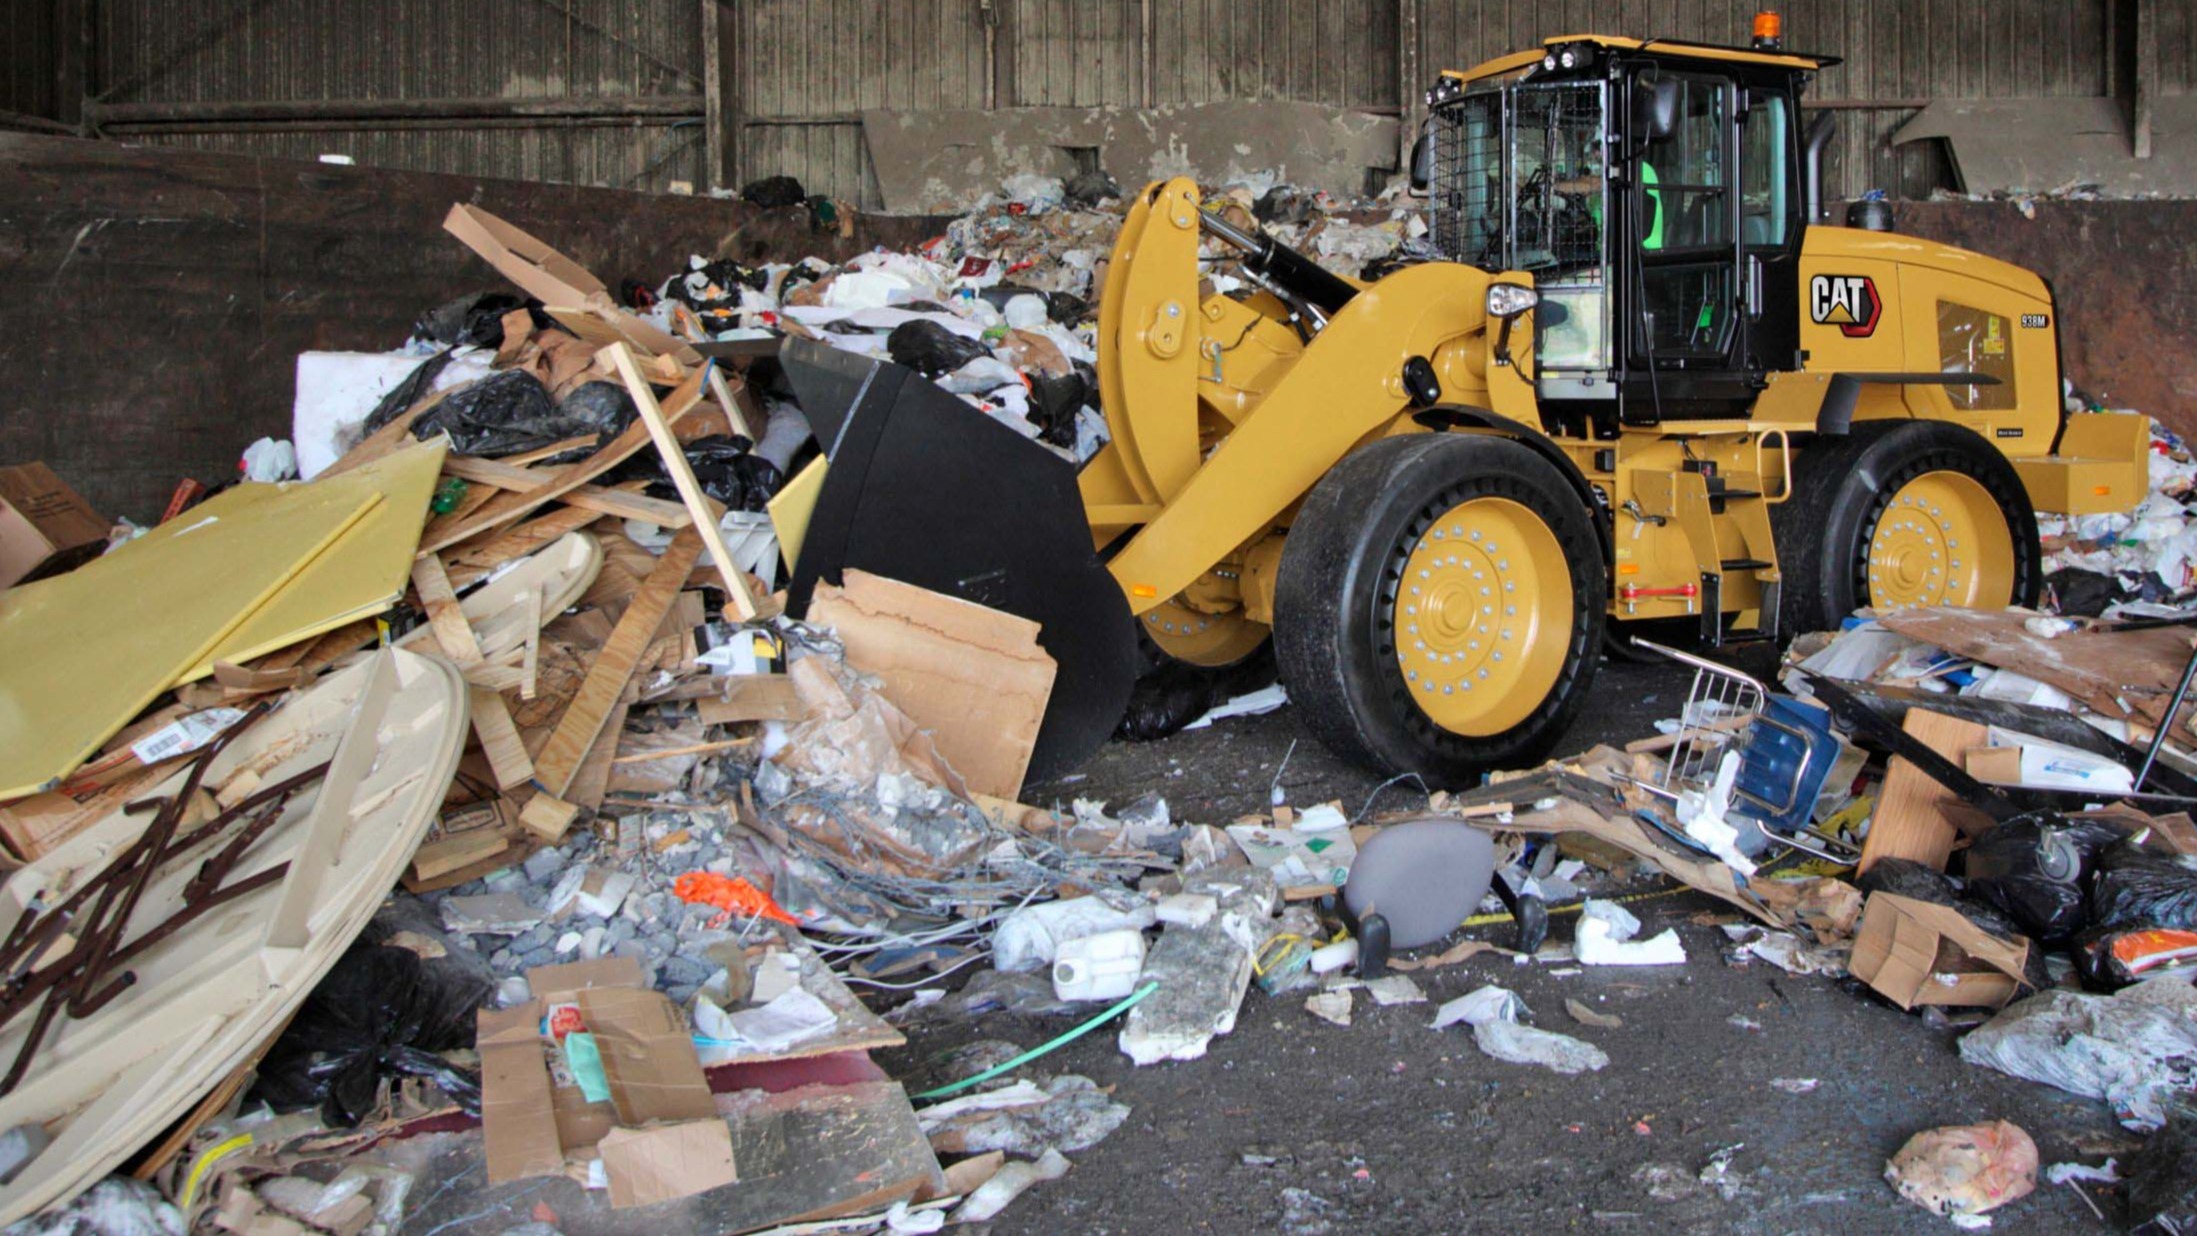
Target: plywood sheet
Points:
(1914, 817)
(82, 653)
(361, 575)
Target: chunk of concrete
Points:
(1202, 971)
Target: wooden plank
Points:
(440, 601)
(508, 507)
(682, 476)
(500, 739)
(606, 679)
(591, 783)
(502, 474)
(438, 858)
(1912, 818)
(547, 817)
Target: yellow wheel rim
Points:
(1942, 540)
(1483, 616)
(1203, 639)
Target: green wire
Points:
(1128, 1002)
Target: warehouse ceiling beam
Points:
(290, 111)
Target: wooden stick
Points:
(675, 463)
(734, 410)
(700, 748)
(614, 665)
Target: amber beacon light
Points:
(1769, 30)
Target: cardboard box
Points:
(1916, 952)
(41, 521)
(660, 1137)
(973, 676)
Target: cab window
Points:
(1972, 340)
(1766, 173)
(1684, 175)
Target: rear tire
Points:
(1862, 507)
(1343, 605)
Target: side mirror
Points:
(1654, 109)
(1422, 159)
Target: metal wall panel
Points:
(157, 51)
(30, 51)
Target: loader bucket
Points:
(927, 490)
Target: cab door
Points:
(1685, 331)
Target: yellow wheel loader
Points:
(1633, 386)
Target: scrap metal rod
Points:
(77, 982)
(2166, 723)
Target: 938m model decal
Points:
(1849, 302)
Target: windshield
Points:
(1519, 183)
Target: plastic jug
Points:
(1099, 967)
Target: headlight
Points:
(1569, 58)
(1549, 62)
(1508, 300)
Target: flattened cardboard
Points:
(648, 1054)
(1916, 952)
(975, 677)
(516, 1103)
(41, 518)
(667, 1161)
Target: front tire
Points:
(1439, 606)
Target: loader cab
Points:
(1655, 193)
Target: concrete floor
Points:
(1294, 1125)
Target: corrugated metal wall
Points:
(797, 72)
(160, 51)
(1896, 51)
(30, 48)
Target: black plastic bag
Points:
(931, 349)
(1067, 309)
(1904, 877)
(2037, 868)
(381, 1012)
(2111, 958)
(475, 320)
(1089, 187)
(726, 465)
(2083, 593)
(1175, 693)
(2162, 1176)
(1054, 402)
(508, 412)
(2136, 887)
(774, 191)
(404, 394)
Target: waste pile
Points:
(470, 815)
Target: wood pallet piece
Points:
(682, 476)
(494, 474)
(613, 667)
(1912, 818)
(206, 996)
(506, 508)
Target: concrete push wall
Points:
(157, 299)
